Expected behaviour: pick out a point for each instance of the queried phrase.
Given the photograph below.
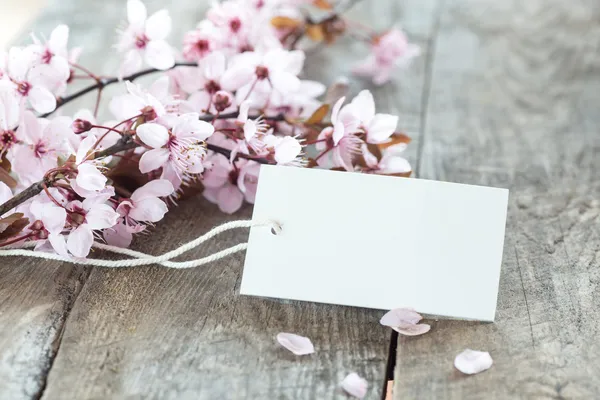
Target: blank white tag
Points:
(377, 241)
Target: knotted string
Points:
(140, 258)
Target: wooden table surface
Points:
(505, 94)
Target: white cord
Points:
(146, 259)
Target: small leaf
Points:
(281, 22)
(396, 138)
(337, 90)
(322, 4)
(7, 179)
(315, 32)
(318, 115)
(311, 163)
(11, 219)
(12, 225)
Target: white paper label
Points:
(377, 241)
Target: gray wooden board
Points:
(515, 88)
(158, 333)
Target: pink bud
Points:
(81, 125)
(222, 100)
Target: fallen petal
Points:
(355, 386)
(299, 345)
(412, 330)
(400, 317)
(473, 361)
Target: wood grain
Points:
(157, 333)
(513, 103)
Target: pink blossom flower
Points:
(378, 127)
(147, 103)
(299, 345)
(41, 143)
(355, 386)
(277, 69)
(86, 217)
(144, 39)
(204, 82)
(48, 223)
(234, 21)
(52, 57)
(388, 52)
(341, 140)
(145, 204)
(391, 163)
(29, 81)
(227, 184)
(180, 150)
(89, 177)
(473, 361)
(200, 42)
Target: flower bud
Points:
(222, 100)
(81, 125)
(37, 225)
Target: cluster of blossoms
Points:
(209, 122)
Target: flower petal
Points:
(287, 150)
(473, 361)
(118, 236)
(154, 135)
(190, 125)
(159, 55)
(364, 106)
(89, 177)
(299, 345)
(136, 12)
(149, 209)
(155, 188)
(355, 386)
(158, 25)
(381, 127)
(41, 99)
(153, 159)
(101, 216)
(213, 65)
(412, 330)
(230, 198)
(400, 316)
(80, 241)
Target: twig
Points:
(103, 82)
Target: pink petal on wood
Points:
(473, 361)
(412, 330)
(400, 317)
(299, 345)
(355, 386)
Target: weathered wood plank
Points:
(35, 298)
(513, 102)
(156, 333)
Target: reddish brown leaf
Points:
(322, 4)
(7, 179)
(281, 22)
(396, 138)
(315, 32)
(12, 225)
(337, 90)
(318, 115)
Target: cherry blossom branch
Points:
(127, 143)
(103, 82)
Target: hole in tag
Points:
(276, 228)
